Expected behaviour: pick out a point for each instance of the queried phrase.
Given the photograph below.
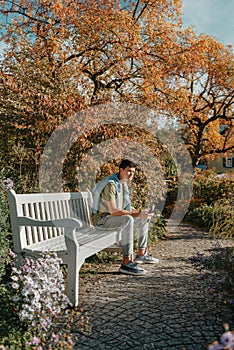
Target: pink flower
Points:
(36, 340)
(227, 340)
(12, 254)
(215, 346)
(55, 337)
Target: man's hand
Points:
(143, 214)
(146, 215)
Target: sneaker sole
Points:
(146, 262)
(133, 273)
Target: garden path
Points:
(168, 308)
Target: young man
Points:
(112, 209)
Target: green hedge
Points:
(4, 231)
(210, 187)
(212, 203)
(217, 218)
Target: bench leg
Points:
(18, 260)
(72, 288)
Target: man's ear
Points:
(120, 172)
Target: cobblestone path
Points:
(168, 308)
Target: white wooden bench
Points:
(58, 222)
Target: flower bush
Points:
(226, 341)
(39, 316)
(38, 294)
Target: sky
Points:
(213, 17)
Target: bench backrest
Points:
(46, 206)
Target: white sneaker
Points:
(146, 259)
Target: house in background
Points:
(222, 164)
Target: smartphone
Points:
(152, 208)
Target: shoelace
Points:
(147, 254)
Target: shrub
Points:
(10, 327)
(4, 230)
(212, 204)
(210, 187)
(171, 197)
(157, 229)
(220, 262)
(222, 224)
(217, 218)
(201, 216)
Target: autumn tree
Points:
(201, 96)
(64, 56)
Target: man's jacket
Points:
(99, 187)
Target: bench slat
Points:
(28, 234)
(54, 244)
(38, 215)
(33, 229)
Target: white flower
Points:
(24, 314)
(42, 290)
(15, 298)
(7, 184)
(15, 278)
(15, 285)
(37, 305)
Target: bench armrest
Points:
(66, 222)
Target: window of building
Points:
(228, 162)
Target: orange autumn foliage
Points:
(64, 56)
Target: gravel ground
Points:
(168, 308)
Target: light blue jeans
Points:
(125, 223)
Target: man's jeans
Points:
(125, 224)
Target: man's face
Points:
(126, 174)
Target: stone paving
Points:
(168, 308)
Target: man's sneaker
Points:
(132, 269)
(146, 259)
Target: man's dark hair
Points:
(127, 163)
